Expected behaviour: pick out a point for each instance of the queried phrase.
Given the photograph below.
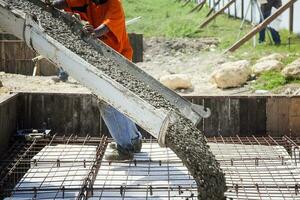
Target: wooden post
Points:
(186, 3)
(198, 7)
(202, 5)
(207, 21)
(291, 20)
(136, 41)
(242, 5)
(261, 26)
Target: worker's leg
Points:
(275, 36)
(266, 12)
(122, 129)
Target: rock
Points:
(176, 81)
(267, 65)
(231, 74)
(292, 70)
(274, 56)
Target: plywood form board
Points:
(278, 116)
(233, 115)
(63, 113)
(15, 50)
(136, 41)
(294, 116)
(8, 118)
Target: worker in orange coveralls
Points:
(106, 21)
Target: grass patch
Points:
(169, 19)
(272, 80)
(269, 81)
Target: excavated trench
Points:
(182, 137)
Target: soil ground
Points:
(194, 57)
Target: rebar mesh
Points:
(73, 167)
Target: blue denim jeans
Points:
(122, 129)
(266, 12)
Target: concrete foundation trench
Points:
(255, 140)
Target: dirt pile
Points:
(166, 47)
(192, 150)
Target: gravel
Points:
(197, 157)
(193, 150)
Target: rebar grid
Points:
(259, 167)
(255, 168)
(57, 167)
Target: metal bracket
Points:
(201, 110)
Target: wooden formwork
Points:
(79, 114)
(251, 115)
(8, 118)
(16, 56)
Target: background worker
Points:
(106, 21)
(266, 8)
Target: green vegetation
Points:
(272, 80)
(168, 18)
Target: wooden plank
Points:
(244, 128)
(272, 116)
(294, 117)
(260, 26)
(209, 19)
(234, 119)
(261, 128)
(224, 127)
(208, 122)
(8, 119)
(283, 115)
(136, 41)
(198, 7)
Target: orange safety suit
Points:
(112, 15)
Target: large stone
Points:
(274, 56)
(267, 65)
(292, 70)
(231, 74)
(176, 81)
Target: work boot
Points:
(137, 146)
(117, 154)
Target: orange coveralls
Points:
(112, 15)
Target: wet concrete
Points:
(61, 32)
(183, 138)
(191, 147)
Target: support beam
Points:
(207, 21)
(186, 3)
(260, 26)
(198, 7)
(291, 19)
(213, 8)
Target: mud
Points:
(197, 157)
(192, 149)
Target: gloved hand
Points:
(90, 29)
